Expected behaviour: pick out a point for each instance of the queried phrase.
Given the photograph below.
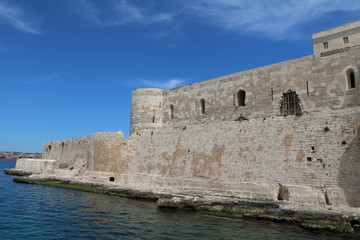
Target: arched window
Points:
(241, 97)
(202, 104)
(171, 111)
(350, 74)
(290, 104)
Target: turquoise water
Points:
(42, 212)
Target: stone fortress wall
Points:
(288, 131)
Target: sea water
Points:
(29, 211)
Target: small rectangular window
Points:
(346, 40)
(326, 45)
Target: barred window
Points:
(290, 103)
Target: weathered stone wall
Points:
(321, 83)
(81, 152)
(36, 165)
(313, 158)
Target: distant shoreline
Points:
(8, 155)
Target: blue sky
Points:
(67, 67)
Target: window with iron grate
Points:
(290, 103)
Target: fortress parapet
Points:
(146, 109)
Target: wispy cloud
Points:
(172, 83)
(45, 79)
(118, 12)
(274, 19)
(15, 16)
(52, 77)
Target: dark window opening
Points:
(352, 79)
(171, 111)
(290, 103)
(326, 45)
(283, 193)
(202, 104)
(153, 119)
(241, 94)
(346, 40)
(307, 88)
(309, 159)
(111, 179)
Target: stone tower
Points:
(146, 109)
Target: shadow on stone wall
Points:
(349, 169)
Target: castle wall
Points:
(36, 165)
(313, 158)
(80, 153)
(321, 83)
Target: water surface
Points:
(29, 211)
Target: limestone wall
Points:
(36, 165)
(80, 153)
(321, 83)
(313, 158)
(310, 158)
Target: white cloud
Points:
(16, 17)
(172, 83)
(274, 19)
(118, 12)
(52, 77)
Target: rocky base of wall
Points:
(308, 216)
(312, 217)
(17, 172)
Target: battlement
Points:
(335, 40)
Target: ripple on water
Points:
(42, 212)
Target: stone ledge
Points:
(17, 172)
